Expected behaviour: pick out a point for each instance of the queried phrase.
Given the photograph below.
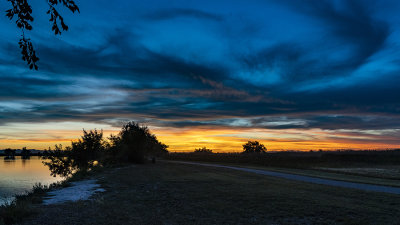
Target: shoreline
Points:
(23, 205)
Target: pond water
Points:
(19, 175)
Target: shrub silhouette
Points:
(203, 150)
(134, 143)
(10, 153)
(87, 149)
(254, 147)
(25, 153)
(81, 156)
(59, 162)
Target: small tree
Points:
(25, 153)
(134, 142)
(10, 153)
(58, 161)
(81, 156)
(87, 149)
(203, 150)
(254, 147)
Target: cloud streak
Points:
(329, 72)
(176, 13)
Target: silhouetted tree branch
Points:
(22, 11)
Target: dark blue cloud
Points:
(350, 36)
(352, 22)
(323, 64)
(176, 13)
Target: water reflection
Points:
(8, 162)
(19, 175)
(25, 162)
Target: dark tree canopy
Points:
(25, 153)
(9, 152)
(87, 149)
(254, 147)
(133, 144)
(203, 150)
(21, 11)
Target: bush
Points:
(59, 161)
(81, 156)
(11, 213)
(25, 153)
(254, 147)
(10, 153)
(87, 149)
(134, 143)
(203, 150)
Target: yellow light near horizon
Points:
(231, 140)
(187, 139)
(43, 136)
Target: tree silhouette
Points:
(58, 161)
(135, 142)
(254, 147)
(87, 149)
(10, 153)
(203, 150)
(25, 153)
(81, 156)
(22, 11)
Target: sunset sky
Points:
(295, 75)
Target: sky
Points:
(294, 75)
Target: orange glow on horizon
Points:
(219, 140)
(231, 140)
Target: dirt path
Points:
(336, 183)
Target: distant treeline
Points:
(24, 153)
(298, 159)
(18, 153)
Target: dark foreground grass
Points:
(169, 193)
(23, 205)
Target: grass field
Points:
(371, 167)
(387, 172)
(334, 174)
(302, 160)
(166, 193)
